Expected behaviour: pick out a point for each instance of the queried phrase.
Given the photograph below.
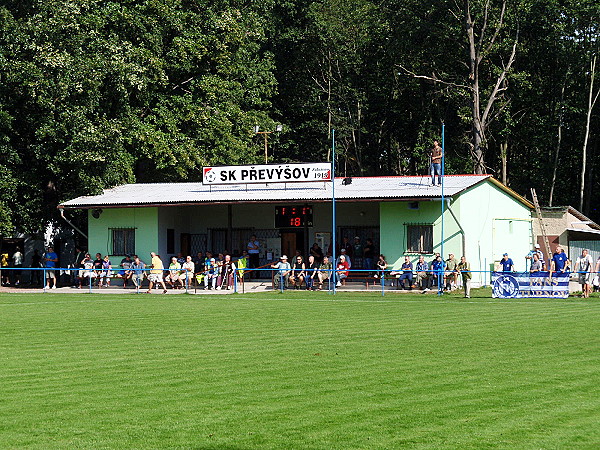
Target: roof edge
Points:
(512, 193)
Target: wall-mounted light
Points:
(96, 213)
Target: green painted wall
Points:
(144, 220)
(394, 218)
(493, 221)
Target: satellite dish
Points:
(96, 213)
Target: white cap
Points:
(537, 245)
(283, 257)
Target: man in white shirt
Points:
(188, 268)
(583, 266)
(17, 259)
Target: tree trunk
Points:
(503, 156)
(559, 141)
(591, 101)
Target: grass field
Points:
(296, 370)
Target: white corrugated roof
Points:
(361, 189)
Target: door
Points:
(291, 241)
(288, 244)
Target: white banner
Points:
(267, 173)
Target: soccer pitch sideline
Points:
(298, 370)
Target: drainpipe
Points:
(462, 232)
(62, 214)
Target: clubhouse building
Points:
(482, 218)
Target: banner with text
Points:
(266, 173)
(530, 285)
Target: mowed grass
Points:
(298, 370)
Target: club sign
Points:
(266, 173)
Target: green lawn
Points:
(298, 370)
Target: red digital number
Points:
(295, 222)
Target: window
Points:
(170, 240)
(420, 238)
(123, 241)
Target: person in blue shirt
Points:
(50, 260)
(560, 261)
(437, 271)
(507, 264)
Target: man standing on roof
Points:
(436, 163)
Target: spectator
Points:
(283, 272)
(536, 264)
(4, 263)
(174, 272)
(254, 252)
(227, 271)
(437, 271)
(369, 254)
(344, 253)
(156, 274)
(341, 272)
(324, 272)
(188, 269)
(317, 252)
(436, 163)
(125, 273)
(358, 253)
(50, 260)
(536, 250)
(311, 272)
(406, 273)
(465, 270)
(106, 272)
(347, 245)
(17, 259)
(180, 258)
(98, 267)
(88, 270)
(199, 262)
(137, 272)
(422, 269)
(298, 272)
(211, 273)
(381, 267)
(451, 272)
(584, 264)
(560, 261)
(507, 264)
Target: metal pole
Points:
(266, 152)
(333, 237)
(44, 280)
(441, 271)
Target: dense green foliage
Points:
(297, 371)
(95, 93)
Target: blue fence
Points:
(504, 285)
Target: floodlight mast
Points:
(278, 129)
